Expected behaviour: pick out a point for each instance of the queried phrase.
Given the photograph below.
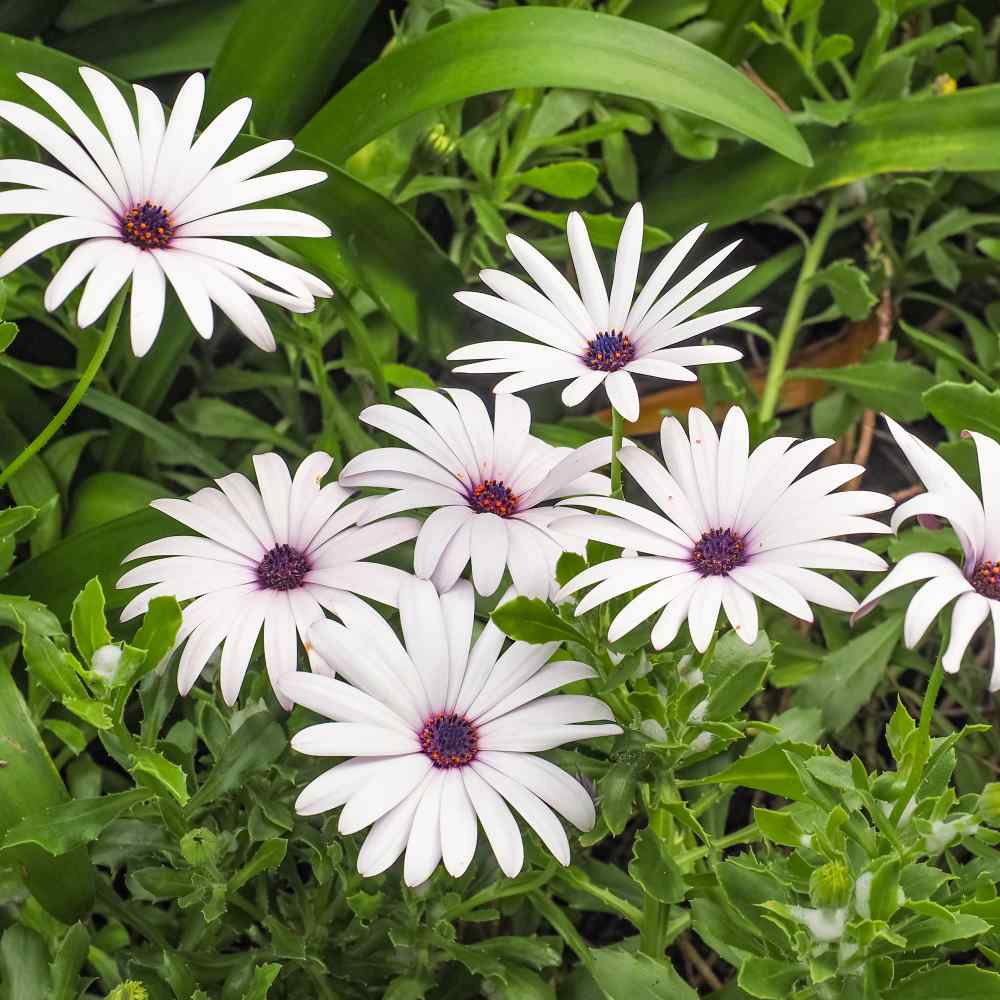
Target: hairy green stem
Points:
(617, 433)
(654, 912)
(796, 309)
(89, 373)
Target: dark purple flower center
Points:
(147, 226)
(449, 740)
(493, 496)
(608, 352)
(986, 579)
(718, 552)
(283, 568)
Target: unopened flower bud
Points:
(131, 989)
(989, 804)
(830, 886)
(200, 847)
(105, 662)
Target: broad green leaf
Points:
(269, 855)
(849, 287)
(947, 982)
(29, 783)
(51, 666)
(941, 348)
(20, 612)
(90, 628)
(531, 619)
(768, 978)
(961, 407)
(68, 962)
(169, 38)
(263, 978)
(163, 775)
(106, 496)
(8, 331)
(736, 673)
(404, 377)
(32, 485)
(62, 828)
(24, 964)
(768, 769)
(653, 868)
(605, 230)
(286, 64)
(951, 133)
(13, 519)
(572, 179)
(56, 577)
(895, 387)
(544, 47)
(208, 417)
(846, 678)
(624, 975)
(569, 565)
(778, 826)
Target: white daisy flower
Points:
(976, 522)
(734, 524)
(442, 732)
(593, 338)
(266, 559)
(489, 484)
(151, 205)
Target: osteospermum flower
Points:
(976, 522)
(734, 525)
(595, 339)
(268, 558)
(152, 205)
(442, 732)
(489, 485)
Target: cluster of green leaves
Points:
(148, 843)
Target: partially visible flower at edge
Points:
(975, 584)
(151, 206)
(442, 732)
(270, 558)
(593, 338)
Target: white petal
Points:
(499, 825)
(626, 269)
(209, 200)
(530, 570)
(459, 831)
(395, 779)
(970, 612)
(148, 295)
(668, 624)
(121, 128)
(540, 328)
(705, 459)
(588, 274)
(423, 848)
(256, 222)
(703, 614)
(488, 551)
(678, 585)
(553, 284)
(734, 451)
(520, 293)
(741, 610)
(909, 569)
(773, 590)
(341, 739)
(106, 280)
(662, 489)
(663, 272)
(927, 602)
(623, 395)
(422, 621)
(280, 645)
(80, 262)
(340, 702)
(581, 387)
(369, 580)
(48, 235)
(238, 649)
(177, 137)
(388, 836)
(189, 288)
(152, 124)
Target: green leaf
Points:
(286, 64)
(105, 496)
(217, 418)
(52, 667)
(846, 678)
(13, 519)
(624, 975)
(570, 564)
(736, 673)
(158, 630)
(90, 628)
(951, 133)
(769, 978)
(544, 47)
(164, 775)
(941, 348)
(849, 287)
(531, 619)
(947, 982)
(605, 230)
(883, 899)
(768, 769)
(778, 827)
(67, 963)
(24, 964)
(156, 40)
(29, 783)
(653, 868)
(962, 407)
(62, 828)
(269, 855)
(404, 377)
(8, 331)
(895, 387)
(263, 979)
(833, 47)
(572, 179)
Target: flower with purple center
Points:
(442, 734)
(150, 203)
(594, 338)
(489, 485)
(270, 558)
(974, 586)
(731, 525)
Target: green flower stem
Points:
(617, 433)
(796, 309)
(921, 754)
(93, 366)
(655, 913)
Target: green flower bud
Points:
(438, 143)
(989, 804)
(830, 886)
(200, 847)
(131, 989)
